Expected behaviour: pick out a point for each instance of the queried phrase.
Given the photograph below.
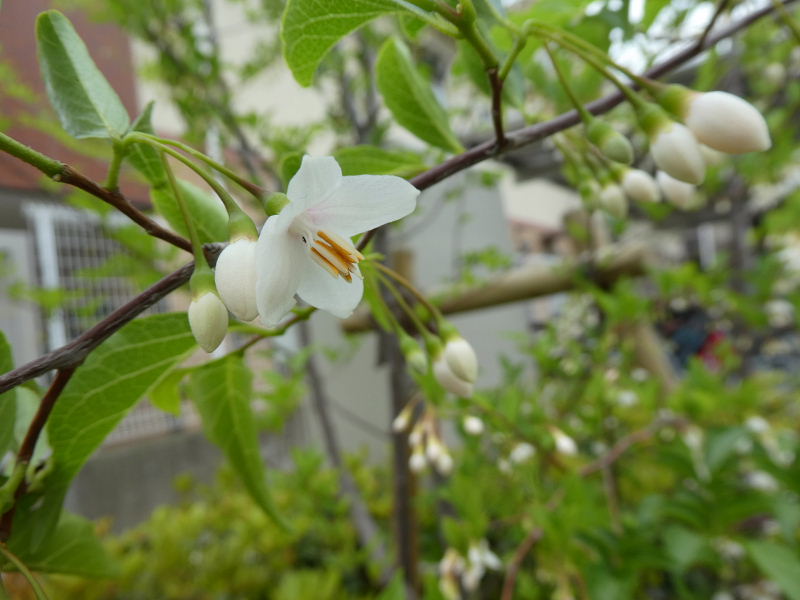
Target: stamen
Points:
(341, 264)
(341, 245)
(324, 262)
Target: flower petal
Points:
(362, 202)
(333, 294)
(316, 178)
(280, 263)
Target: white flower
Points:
(461, 359)
(235, 276)
(444, 463)
(757, 424)
(761, 481)
(306, 248)
(676, 151)
(521, 452)
(613, 201)
(417, 462)
(727, 123)
(678, 193)
(473, 425)
(208, 320)
(640, 186)
(449, 380)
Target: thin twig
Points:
(497, 108)
(516, 563)
(26, 449)
(720, 9)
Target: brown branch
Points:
(25, 452)
(72, 177)
(720, 9)
(516, 563)
(497, 108)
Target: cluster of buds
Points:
(427, 446)
(232, 287)
(456, 571)
(453, 360)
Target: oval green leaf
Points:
(410, 98)
(85, 102)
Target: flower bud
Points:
(640, 186)
(444, 463)
(678, 193)
(473, 425)
(417, 462)
(613, 201)
(461, 359)
(564, 444)
(727, 123)
(609, 141)
(235, 277)
(403, 418)
(449, 380)
(676, 152)
(208, 320)
(521, 452)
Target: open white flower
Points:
(306, 249)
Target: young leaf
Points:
(222, 390)
(410, 98)
(310, 28)
(778, 563)
(208, 212)
(165, 394)
(71, 549)
(8, 401)
(371, 160)
(99, 395)
(146, 158)
(85, 102)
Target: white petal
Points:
(333, 294)
(676, 151)
(316, 178)
(363, 202)
(280, 262)
(235, 276)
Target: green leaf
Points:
(145, 158)
(408, 95)
(85, 102)
(208, 212)
(222, 390)
(310, 28)
(72, 548)
(372, 160)
(8, 401)
(165, 394)
(101, 392)
(778, 563)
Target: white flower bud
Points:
(489, 559)
(676, 151)
(564, 444)
(449, 380)
(780, 313)
(208, 320)
(235, 276)
(434, 449)
(640, 186)
(417, 462)
(402, 420)
(521, 452)
(473, 425)
(678, 193)
(757, 424)
(762, 481)
(444, 463)
(727, 123)
(472, 576)
(613, 201)
(415, 437)
(711, 156)
(461, 359)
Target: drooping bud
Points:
(674, 148)
(564, 444)
(235, 276)
(640, 186)
(417, 462)
(473, 425)
(403, 419)
(609, 141)
(412, 351)
(449, 380)
(208, 320)
(613, 201)
(461, 359)
(678, 193)
(444, 463)
(521, 452)
(727, 123)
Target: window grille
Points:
(67, 241)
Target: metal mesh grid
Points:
(69, 243)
